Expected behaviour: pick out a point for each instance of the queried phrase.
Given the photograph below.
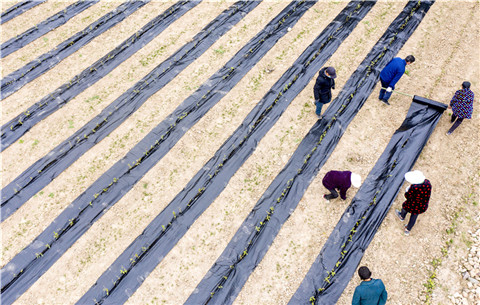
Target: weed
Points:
(219, 51)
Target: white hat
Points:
(356, 180)
(415, 177)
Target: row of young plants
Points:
(18, 9)
(17, 79)
(31, 180)
(53, 22)
(342, 252)
(121, 279)
(229, 273)
(27, 266)
(19, 125)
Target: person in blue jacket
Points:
(391, 74)
(370, 291)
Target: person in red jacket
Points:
(341, 180)
(417, 195)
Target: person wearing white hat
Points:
(417, 195)
(341, 180)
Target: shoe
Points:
(386, 102)
(399, 215)
(319, 116)
(448, 133)
(406, 232)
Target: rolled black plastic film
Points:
(17, 79)
(229, 273)
(18, 9)
(342, 252)
(44, 27)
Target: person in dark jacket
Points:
(341, 180)
(370, 291)
(462, 106)
(322, 90)
(417, 195)
(391, 74)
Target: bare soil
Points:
(446, 47)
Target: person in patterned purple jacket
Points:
(461, 105)
(417, 195)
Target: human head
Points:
(356, 180)
(331, 72)
(466, 85)
(409, 59)
(364, 273)
(415, 177)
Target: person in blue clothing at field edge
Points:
(370, 291)
(391, 74)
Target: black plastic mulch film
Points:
(128, 271)
(44, 27)
(342, 252)
(27, 266)
(18, 9)
(31, 180)
(226, 277)
(18, 126)
(17, 79)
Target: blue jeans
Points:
(411, 222)
(384, 95)
(319, 105)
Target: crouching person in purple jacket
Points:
(341, 180)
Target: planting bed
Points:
(133, 212)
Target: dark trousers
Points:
(411, 222)
(333, 195)
(456, 124)
(319, 105)
(384, 95)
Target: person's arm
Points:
(356, 297)
(343, 193)
(398, 75)
(454, 99)
(383, 296)
(410, 192)
(316, 90)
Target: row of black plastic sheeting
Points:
(27, 266)
(53, 22)
(342, 252)
(18, 126)
(226, 277)
(17, 79)
(18, 9)
(128, 271)
(43, 171)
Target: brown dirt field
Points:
(446, 46)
